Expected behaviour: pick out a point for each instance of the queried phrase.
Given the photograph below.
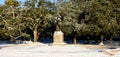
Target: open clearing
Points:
(45, 50)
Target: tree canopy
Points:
(78, 17)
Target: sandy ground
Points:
(45, 50)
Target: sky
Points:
(2, 1)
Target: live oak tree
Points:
(2, 35)
(100, 13)
(13, 27)
(36, 15)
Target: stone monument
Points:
(101, 43)
(58, 37)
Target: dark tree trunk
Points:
(87, 40)
(75, 41)
(13, 12)
(110, 39)
(12, 40)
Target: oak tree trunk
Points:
(35, 32)
(13, 12)
(87, 39)
(75, 41)
(110, 40)
(12, 40)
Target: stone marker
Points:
(101, 43)
(58, 38)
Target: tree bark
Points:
(13, 12)
(75, 41)
(12, 40)
(35, 33)
(87, 39)
(110, 40)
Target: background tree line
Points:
(81, 19)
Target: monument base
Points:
(59, 43)
(58, 38)
(101, 43)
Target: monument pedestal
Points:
(101, 43)
(58, 38)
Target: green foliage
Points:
(13, 3)
(37, 14)
(86, 17)
(89, 17)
